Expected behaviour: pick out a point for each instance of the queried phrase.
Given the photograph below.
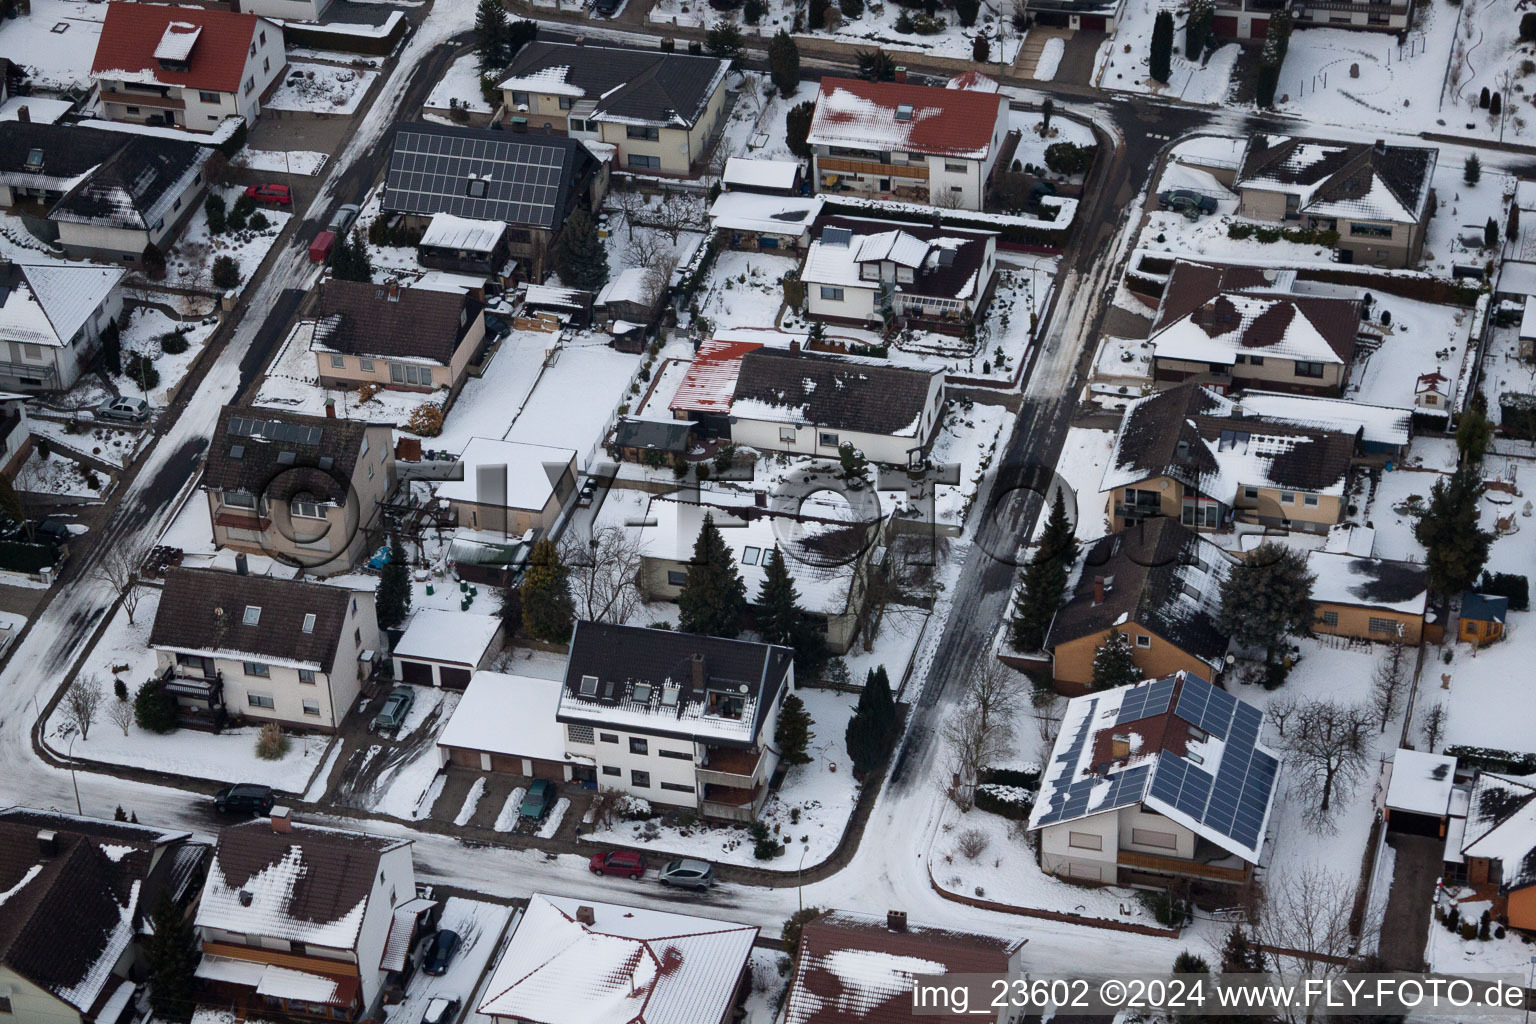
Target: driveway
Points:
(1077, 60)
(1405, 925)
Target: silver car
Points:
(686, 873)
(342, 219)
(132, 410)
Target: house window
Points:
(1309, 500)
(1331, 619)
(1307, 369)
(1161, 840)
(827, 439)
(365, 364)
(639, 779)
(676, 578)
(677, 787)
(266, 64)
(307, 676)
(1250, 494)
(338, 362)
(5, 1003)
(253, 49)
(608, 737)
(252, 615)
(207, 97)
(579, 734)
(258, 669)
(648, 133)
(639, 162)
(1085, 841)
(306, 510)
(263, 37)
(239, 499)
(955, 166)
(1143, 640)
(1287, 497)
(576, 124)
(638, 746)
(1384, 627)
(407, 373)
(312, 707)
(566, 103)
(1360, 230)
(1431, 399)
(750, 555)
(260, 700)
(677, 755)
(309, 622)
(1255, 360)
(250, 83)
(609, 769)
(832, 294)
(520, 99)
(787, 434)
(132, 110)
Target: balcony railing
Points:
(731, 768)
(144, 99)
(873, 168)
(1180, 866)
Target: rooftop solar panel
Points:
(1146, 699)
(518, 182)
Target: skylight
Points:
(252, 614)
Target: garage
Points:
(1419, 793)
(1093, 23)
(1224, 26)
(418, 672)
(506, 723)
(1258, 28)
(445, 648)
(454, 677)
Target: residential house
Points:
(443, 647)
(1377, 197)
(859, 969)
(975, 81)
(1154, 783)
(1385, 431)
(1160, 586)
(463, 245)
(1235, 327)
(806, 403)
(303, 921)
(1368, 598)
(661, 111)
(758, 222)
(1482, 617)
(657, 967)
(263, 648)
(303, 489)
(704, 396)
(530, 183)
(636, 438)
(141, 195)
(895, 140)
(827, 556)
(406, 339)
(79, 893)
(40, 162)
(677, 719)
(863, 271)
(509, 488)
(1190, 453)
(52, 316)
(1494, 856)
(190, 67)
(1380, 15)
(506, 723)
(766, 177)
(1419, 793)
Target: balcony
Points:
(732, 803)
(144, 99)
(731, 768)
(870, 168)
(238, 519)
(1179, 866)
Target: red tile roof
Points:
(952, 122)
(710, 384)
(132, 31)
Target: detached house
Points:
(40, 162)
(79, 893)
(1161, 781)
(509, 488)
(1377, 197)
(659, 110)
(306, 921)
(52, 315)
(190, 67)
(1368, 598)
(674, 718)
(302, 489)
(892, 140)
(407, 339)
(262, 648)
(141, 195)
(1494, 849)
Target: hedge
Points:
(1028, 778)
(1007, 801)
(1492, 759)
(19, 556)
(1508, 584)
(1517, 415)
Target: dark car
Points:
(1185, 199)
(277, 195)
(687, 873)
(393, 711)
(606, 8)
(440, 953)
(540, 798)
(53, 529)
(588, 494)
(244, 798)
(618, 862)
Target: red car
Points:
(618, 862)
(278, 195)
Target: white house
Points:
(142, 195)
(916, 142)
(872, 272)
(675, 718)
(52, 315)
(190, 67)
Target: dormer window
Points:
(904, 112)
(34, 159)
(252, 615)
(589, 686)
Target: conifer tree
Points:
(1456, 548)
(580, 256)
(1114, 663)
(171, 958)
(1044, 583)
(1472, 170)
(781, 620)
(491, 35)
(1268, 599)
(394, 595)
(784, 63)
(714, 597)
(872, 729)
(1239, 956)
(793, 733)
(1160, 66)
(546, 595)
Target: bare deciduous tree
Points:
(1304, 922)
(1281, 710)
(81, 701)
(120, 572)
(980, 731)
(998, 691)
(948, 200)
(120, 714)
(1432, 726)
(646, 249)
(1325, 752)
(1390, 682)
(677, 214)
(604, 573)
(658, 278)
(631, 205)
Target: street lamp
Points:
(72, 777)
(800, 890)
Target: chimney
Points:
(1381, 147)
(47, 842)
(394, 290)
(584, 915)
(901, 72)
(282, 819)
(245, 897)
(242, 567)
(794, 346)
(696, 662)
(896, 920)
(23, 114)
(330, 408)
(1098, 590)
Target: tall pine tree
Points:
(714, 598)
(1044, 584)
(1160, 67)
(580, 256)
(1268, 599)
(546, 595)
(1456, 548)
(171, 957)
(1114, 663)
(793, 733)
(394, 595)
(491, 35)
(780, 618)
(784, 63)
(872, 729)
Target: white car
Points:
(441, 1010)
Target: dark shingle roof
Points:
(627, 84)
(283, 454)
(664, 435)
(827, 391)
(66, 150)
(133, 186)
(1201, 292)
(360, 318)
(188, 618)
(1341, 173)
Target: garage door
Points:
(1054, 19)
(464, 758)
(1258, 28)
(504, 763)
(1225, 27)
(1093, 23)
(551, 770)
(453, 678)
(416, 672)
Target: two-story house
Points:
(660, 110)
(301, 921)
(1161, 781)
(1191, 454)
(1376, 196)
(79, 893)
(1381, 15)
(677, 719)
(530, 183)
(262, 647)
(141, 195)
(39, 162)
(190, 67)
(52, 315)
(894, 140)
(303, 489)
(406, 339)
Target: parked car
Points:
(320, 248)
(1185, 199)
(440, 953)
(393, 711)
(588, 494)
(538, 801)
(130, 410)
(618, 862)
(686, 873)
(277, 195)
(607, 8)
(244, 798)
(53, 529)
(342, 219)
(441, 1010)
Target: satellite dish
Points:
(744, 688)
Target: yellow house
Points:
(1368, 598)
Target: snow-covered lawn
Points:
(297, 161)
(143, 331)
(189, 264)
(229, 756)
(55, 42)
(479, 926)
(1451, 954)
(60, 475)
(807, 814)
(461, 83)
(115, 445)
(322, 88)
(663, 387)
(488, 404)
(969, 437)
(1125, 65)
(1421, 337)
(1464, 210)
(745, 289)
(1032, 145)
(1084, 457)
(768, 988)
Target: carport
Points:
(445, 648)
(1419, 794)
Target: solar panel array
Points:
(1181, 784)
(1074, 799)
(273, 430)
(1204, 705)
(479, 178)
(1146, 700)
(1244, 781)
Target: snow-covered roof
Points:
(554, 295)
(1501, 824)
(449, 232)
(46, 302)
(1266, 324)
(40, 109)
(1528, 318)
(765, 214)
(448, 636)
(287, 983)
(507, 714)
(1378, 583)
(629, 966)
(1342, 179)
(1516, 277)
(710, 383)
(973, 81)
(898, 117)
(1379, 424)
(632, 284)
(946, 262)
(1421, 782)
(749, 173)
(177, 41)
(624, 85)
(531, 474)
